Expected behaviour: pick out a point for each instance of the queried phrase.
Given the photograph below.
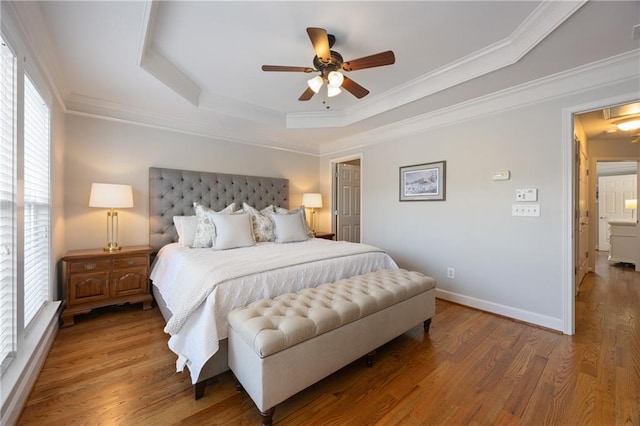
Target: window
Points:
(25, 248)
(36, 201)
(7, 203)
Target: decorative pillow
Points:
(289, 228)
(206, 231)
(280, 210)
(232, 230)
(186, 227)
(261, 223)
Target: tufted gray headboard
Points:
(172, 193)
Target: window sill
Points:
(19, 377)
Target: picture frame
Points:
(423, 182)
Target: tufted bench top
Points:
(272, 325)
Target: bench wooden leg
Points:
(427, 324)
(267, 416)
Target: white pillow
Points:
(186, 227)
(206, 231)
(280, 210)
(232, 231)
(289, 228)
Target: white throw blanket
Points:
(225, 267)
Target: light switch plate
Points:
(530, 210)
(527, 194)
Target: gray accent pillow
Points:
(232, 230)
(289, 228)
(261, 223)
(280, 210)
(206, 231)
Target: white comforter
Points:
(201, 286)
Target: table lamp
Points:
(631, 205)
(312, 200)
(112, 197)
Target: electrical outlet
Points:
(451, 273)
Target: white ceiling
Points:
(195, 66)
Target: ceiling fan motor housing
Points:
(326, 68)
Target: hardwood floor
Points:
(472, 368)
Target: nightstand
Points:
(95, 278)
(325, 235)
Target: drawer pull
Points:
(90, 266)
(131, 262)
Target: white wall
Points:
(504, 264)
(112, 152)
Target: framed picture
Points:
(423, 182)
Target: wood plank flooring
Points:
(472, 368)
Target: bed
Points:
(195, 288)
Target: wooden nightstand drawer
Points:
(131, 261)
(89, 266)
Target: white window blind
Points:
(7, 203)
(36, 201)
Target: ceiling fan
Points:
(329, 63)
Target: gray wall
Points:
(112, 152)
(504, 264)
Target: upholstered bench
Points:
(280, 346)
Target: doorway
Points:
(346, 198)
(594, 123)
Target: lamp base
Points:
(111, 247)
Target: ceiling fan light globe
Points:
(335, 79)
(333, 91)
(315, 83)
(627, 125)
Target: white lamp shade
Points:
(315, 83)
(312, 200)
(111, 196)
(333, 91)
(631, 204)
(335, 79)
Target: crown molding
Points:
(111, 111)
(538, 25)
(606, 72)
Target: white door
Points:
(348, 202)
(612, 191)
(582, 216)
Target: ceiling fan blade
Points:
(308, 94)
(354, 88)
(377, 60)
(320, 41)
(285, 68)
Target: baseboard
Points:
(21, 375)
(507, 311)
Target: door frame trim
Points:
(333, 164)
(568, 239)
